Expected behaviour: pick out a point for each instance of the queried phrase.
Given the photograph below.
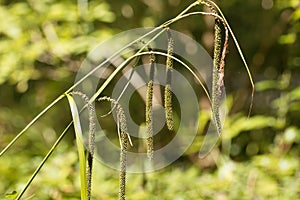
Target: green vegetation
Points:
(42, 45)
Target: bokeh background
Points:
(42, 44)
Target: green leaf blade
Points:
(80, 146)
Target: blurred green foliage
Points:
(42, 44)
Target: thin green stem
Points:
(167, 23)
(31, 123)
(44, 161)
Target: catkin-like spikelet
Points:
(149, 107)
(168, 92)
(149, 118)
(218, 67)
(216, 87)
(168, 107)
(124, 137)
(123, 153)
(220, 51)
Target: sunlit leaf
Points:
(247, 124)
(266, 85)
(11, 195)
(288, 38)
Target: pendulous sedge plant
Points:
(222, 30)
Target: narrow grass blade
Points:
(91, 140)
(80, 146)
